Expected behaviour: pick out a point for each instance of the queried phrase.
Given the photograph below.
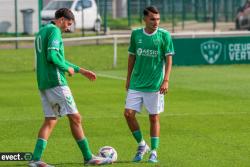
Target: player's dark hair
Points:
(66, 13)
(151, 9)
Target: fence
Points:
(177, 15)
(191, 49)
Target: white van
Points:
(91, 20)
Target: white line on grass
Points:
(206, 114)
(146, 115)
(177, 115)
(111, 76)
(174, 114)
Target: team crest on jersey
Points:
(156, 41)
(211, 51)
(55, 42)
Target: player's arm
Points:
(55, 58)
(88, 74)
(131, 62)
(169, 52)
(53, 55)
(131, 58)
(75, 67)
(168, 68)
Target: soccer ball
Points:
(108, 152)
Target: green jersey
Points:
(51, 64)
(150, 51)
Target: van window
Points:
(82, 4)
(54, 5)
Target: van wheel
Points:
(97, 26)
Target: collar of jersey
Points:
(148, 33)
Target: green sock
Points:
(155, 143)
(84, 147)
(39, 149)
(138, 136)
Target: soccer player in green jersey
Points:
(149, 67)
(57, 99)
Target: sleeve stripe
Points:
(131, 53)
(169, 53)
(53, 48)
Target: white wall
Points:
(7, 13)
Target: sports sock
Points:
(84, 147)
(155, 143)
(138, 136)
(39, 149)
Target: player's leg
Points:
(133, 125)
(154, 103)
(44, 132)
(135, 129)
(75, 121)
(43, 136)
(155, 136)
(76, 125)
(47, 127)
(133, 105)
(78, 134)
(70, 109)
(41, 143)
(82, 142)
(154, 130)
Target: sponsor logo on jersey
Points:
(140, 41)
(147, 52)
(211, 51)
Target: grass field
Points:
(206, 122)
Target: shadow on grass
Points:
(81, 164)
(72, 164)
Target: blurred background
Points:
(203, 31)
(25, 17)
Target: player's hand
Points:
(88, 74)
(71, 71)
(164, 87)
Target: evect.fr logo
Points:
(15, 156)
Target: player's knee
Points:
(154, 118)
(128, 114)
(50, 122)
(75, 118)
(78, 119)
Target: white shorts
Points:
(153, 101)
(58, 101)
